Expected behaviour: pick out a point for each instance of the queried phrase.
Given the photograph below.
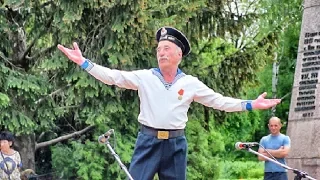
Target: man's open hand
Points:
(74, 55)
(262, 103)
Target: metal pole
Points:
(299, 174)
(107, 143)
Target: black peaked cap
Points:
(175, 36)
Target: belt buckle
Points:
(163, 135)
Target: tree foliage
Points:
(285, 19)
(44, 96)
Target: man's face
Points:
(168, 54)
(274, 126)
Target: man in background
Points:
(277, 146)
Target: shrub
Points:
(241, 170)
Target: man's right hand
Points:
(74, 55)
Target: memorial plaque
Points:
(305, 94)
(304, 115)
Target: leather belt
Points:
(161, 133)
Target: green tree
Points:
(47, 99)
(285, 20)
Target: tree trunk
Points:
(275, 77)
(25, 144)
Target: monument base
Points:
(310, 166)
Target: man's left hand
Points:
(262, 103)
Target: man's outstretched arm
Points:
(123, 79)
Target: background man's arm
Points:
(263, 152)
(282, 152)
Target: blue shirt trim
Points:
(157, 72)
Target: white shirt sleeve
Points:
(122, 79)
(206, 96)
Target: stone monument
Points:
(304, 115)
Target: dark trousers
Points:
(275, 176)
(167, 157)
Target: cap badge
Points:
(163, 31)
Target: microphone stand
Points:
(123, 167)
(299, 174)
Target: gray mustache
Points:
(162, 58)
